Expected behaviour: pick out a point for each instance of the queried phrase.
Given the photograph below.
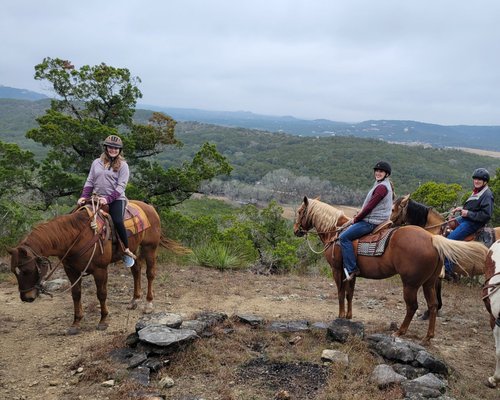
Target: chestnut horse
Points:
(406, 211)
(491, 297)
(412, 253)
(81, 251)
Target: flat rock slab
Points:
(161, 318)
(164, 336)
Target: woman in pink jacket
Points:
(108, 177)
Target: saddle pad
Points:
(486, 236)
(374, 245)
(135, 219)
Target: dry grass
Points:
(245, 363)
(215, 367)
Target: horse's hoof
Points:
(102, 327)
(491, 382)
(397, 333)
(148, 308)
(73, 330)
(426, 342)
(424, 316)
(132, 305)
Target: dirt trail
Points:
(37, 359)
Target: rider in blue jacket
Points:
(474, 214)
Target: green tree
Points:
(441, 196)
(93, 102)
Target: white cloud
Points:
(423, 60)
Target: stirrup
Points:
(128, 261)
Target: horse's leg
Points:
(495, 379)
(76, 294)
(101, 284)
(439, 286)
(337, 276)
(410, 297)
(350, 294)
(150, 257)
(432, 306)
(136, 273)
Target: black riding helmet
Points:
(384, 166)
(481, 173)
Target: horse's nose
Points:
(29, 297)
(297, 231)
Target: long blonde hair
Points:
(116, 164)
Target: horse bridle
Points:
(304, 232)
(303, 215)
(40, 262)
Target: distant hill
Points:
(16, 103)
(406, 132)
(7, 92)
(344, 161)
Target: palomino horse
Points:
(413, 253)
(491, 297)
(71, 238)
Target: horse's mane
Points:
(49, 233)
(325, 215)
(417, 213)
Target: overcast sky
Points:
(434, 61)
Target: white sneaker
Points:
(128, 261)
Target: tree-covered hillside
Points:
(345, 161)
(342, 160)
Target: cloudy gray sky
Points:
(433, 61)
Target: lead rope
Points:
(326, 246)
(82, 273)
(93, 225)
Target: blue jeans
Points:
(355, 231)
(465, 228)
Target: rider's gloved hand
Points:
(81, 201)
(103, 201)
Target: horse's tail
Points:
(173, 246)
(468, 255)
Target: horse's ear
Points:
(405, 199)
(306, 200)
(317, 198)
(21, 250)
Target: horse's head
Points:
(302, 223)
(29, 269)
(398, 214)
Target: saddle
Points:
(484, 235)
(135, 220)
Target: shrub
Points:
(216, 255)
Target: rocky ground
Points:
(39, 361)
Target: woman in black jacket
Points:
(475, 213)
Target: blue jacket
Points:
(480, 206)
